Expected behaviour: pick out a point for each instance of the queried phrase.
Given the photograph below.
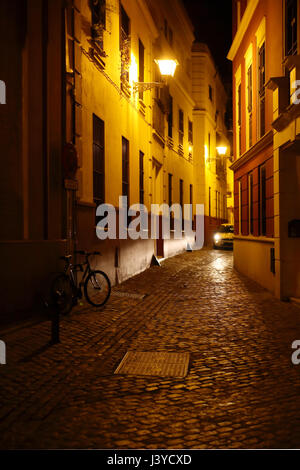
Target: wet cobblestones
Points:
(241, 391)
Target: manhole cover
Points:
(162, 364)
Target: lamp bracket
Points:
(144, 86)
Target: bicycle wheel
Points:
(62, 293)
(97, 288)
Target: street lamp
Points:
(222, 149)
(167, 68)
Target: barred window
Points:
(98, 161)
(125, 168)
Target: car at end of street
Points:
(223, 236)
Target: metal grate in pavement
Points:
(130, 295)
(162, 364)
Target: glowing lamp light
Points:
(221, 150)
(133, 70)
(167, 67)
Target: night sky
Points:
(213, 25)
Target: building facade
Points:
(266, 167)
(89, 118)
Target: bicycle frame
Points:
(73, 273)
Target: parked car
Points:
(223, 236)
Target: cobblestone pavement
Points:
(241, 391)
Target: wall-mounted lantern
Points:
(221, 150)
(167, 68)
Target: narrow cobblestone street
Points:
(241, 390)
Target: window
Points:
(238, 13)
(141, 66)
(170, 37)
(190, 132)
(250, 186)
(240, 206)
(262, 201)
(210, 92)
(239, 122)
(170, 189)
(181, 193)
(181, 200)
(238, 111)
(124, 49)
(249, 104)
(261, 88)
(166, 28)
(170, 117)
(209, 145)
(181, 127)
(290, 27)
(98, 161)
(98, 8)
(168, 32)
(191, 194)
(141, 168)
(224, 207)
(125, 168)
(170, 198)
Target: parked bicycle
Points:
(66, 290)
